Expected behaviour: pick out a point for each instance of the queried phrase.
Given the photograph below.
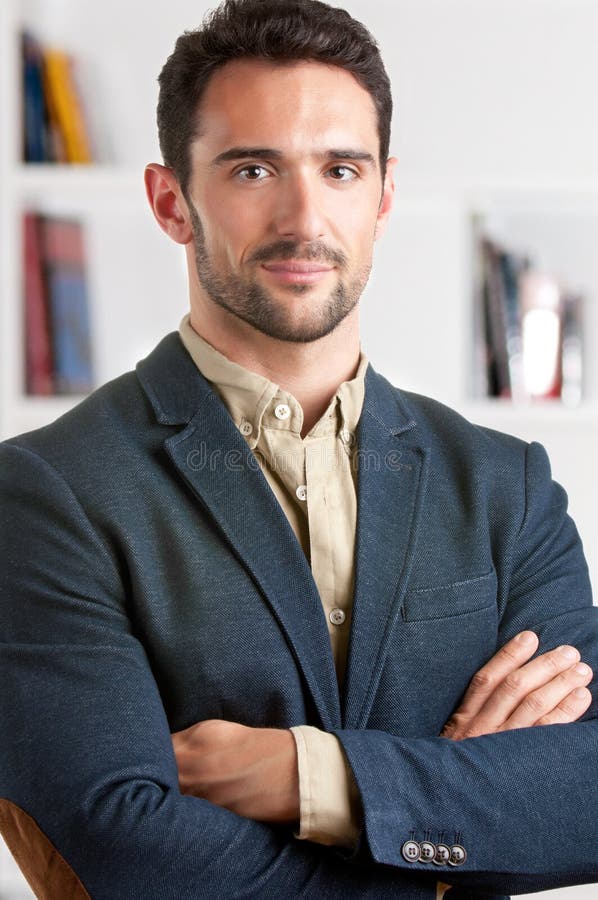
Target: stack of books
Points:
(54, 123)
(529, 330)
(56, 308)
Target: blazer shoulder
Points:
(114, 408)
(438, 422)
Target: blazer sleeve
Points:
(85, 747)
(522, 803)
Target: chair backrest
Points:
(48, 874)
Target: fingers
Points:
(531, 691)
(511, 691)
(508, 659)
(557, 697)
(571, 708)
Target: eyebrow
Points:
(238, 153)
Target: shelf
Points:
(94, 178)
(98, 176)
(467, 195)
(459, 183)
(544, 414)
(413, 190)
(439, 196)
(35, 412)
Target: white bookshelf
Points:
(136, 279)
(495, 114)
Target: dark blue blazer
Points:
(151, 580)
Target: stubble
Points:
(249, 301)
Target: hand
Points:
(251, 771)
(509, 692)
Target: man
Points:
(255, 533)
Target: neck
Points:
(311, 372)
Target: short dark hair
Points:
(273, 30)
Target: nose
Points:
(299, 215)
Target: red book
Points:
(38, 354)
(63, 254)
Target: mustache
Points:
(316, 251)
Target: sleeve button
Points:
(410, 851)
(458, 855)
(427, 852)
(443, 854)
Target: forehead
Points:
(287, 106)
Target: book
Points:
(495, 318)
(64, 269)
(512, 267)
(39, 369)
(572, 350)
(35, 121)
(529, 326)
(54, 125)
(480, 384)
(57, 151)
(66, 107)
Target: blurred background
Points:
(484, 292)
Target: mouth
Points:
(291, 271)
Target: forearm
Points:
(85, 745)
(101, 783)
(522, 803)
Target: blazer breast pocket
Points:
(466, 597)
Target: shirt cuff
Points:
(329, 801)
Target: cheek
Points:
(233, 229)
(353, 222)
(357, 235)
(225, 239)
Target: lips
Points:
(297, 271)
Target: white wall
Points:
(486, 91)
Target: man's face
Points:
(284, 195)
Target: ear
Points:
(387, 197)
(167, 202)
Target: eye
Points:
(252, 173)
(342, 173)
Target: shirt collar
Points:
(248, 396)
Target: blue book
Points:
(35, 116)
(71, 332)
(64, 266)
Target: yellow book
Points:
(57, 145)
(64, 102)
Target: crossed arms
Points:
(86, 747)
(254, 772)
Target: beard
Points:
(253, 304)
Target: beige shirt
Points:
(315, 483)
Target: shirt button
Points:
(282, 411)
(246, 428)
(337, 616)
(346, 436)
(301, 492)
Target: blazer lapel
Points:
(215, 461)
(392, 471)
